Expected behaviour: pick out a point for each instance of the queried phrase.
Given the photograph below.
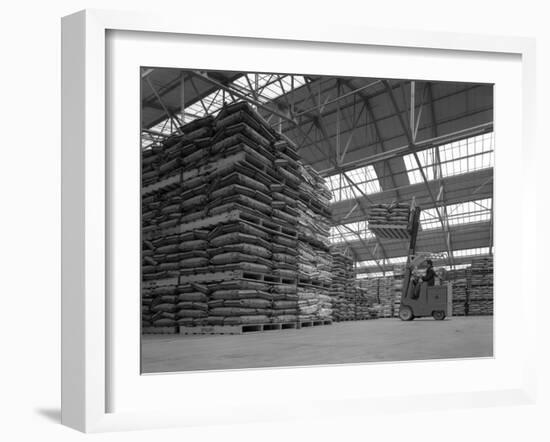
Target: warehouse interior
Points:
(362, 144)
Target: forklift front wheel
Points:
(438, 315)
(406, 313)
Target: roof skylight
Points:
(350, 232)
(461, 213)
(455, 158)
(364, 180)
(471, 252)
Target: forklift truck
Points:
(435, 301)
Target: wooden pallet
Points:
(268, 278)
(236, 329)
(390, 231)
(232, 275)
(313, 283)
(271, 224)
(160, 330)
(313, 323)
(177, 179)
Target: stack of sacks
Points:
(362, 304)
(394, 214)
(314, 263)
(192, 304)
(481, 307)
(480, 286)
(162, 307)
(308, 304)
(166, 253)
(285, 303)
(325, 306)
(150, 161)
(193, 187)
(146, 313)
(239, 302)
(376, 311)
(182, 156)
(313, 304)
(262, 183)
(313, 208)
(342, 290)
(238, 245)
(187, 150)
(158, 303)
(343, 308)
(369, 286)
(398, 275)
(386, 295)
(458, 279)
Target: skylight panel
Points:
(455, 158)
(469, 212)
(397, 260)
(350, 232)
(457, 214)
(364, 179)
(471, 252)
(429, 219)
(368, 263)
(375, 275)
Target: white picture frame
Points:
(87, 352)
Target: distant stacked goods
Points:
(314, 259)
(342, 289)
(363, 306)
(220, 224)
(313, 304)
(398, 277)
(386, 294)
(368, 289)
(480, 286)
(369, 286)
(458, 279)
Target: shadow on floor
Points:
(51, 414)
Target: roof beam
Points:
(408, 134)
(418, 147)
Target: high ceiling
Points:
(368, 135)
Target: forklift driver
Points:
(428, 278)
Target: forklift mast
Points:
(413, 230)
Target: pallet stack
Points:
(363, 306)
(459, 283)
(369, 287)
(215, 206)
(395, 214)
(386, 295)
(165, 252)
(398, 276)
(342, 289)
(220, 225)
(480, 286)
(314, 259)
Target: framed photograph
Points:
(291, 213)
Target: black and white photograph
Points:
(294, 219)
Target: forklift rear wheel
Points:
(439, 315)
(406, 314)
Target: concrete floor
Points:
(344, 342)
